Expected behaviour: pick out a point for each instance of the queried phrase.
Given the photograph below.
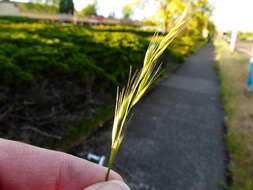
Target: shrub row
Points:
(57, 80)
(30, 48)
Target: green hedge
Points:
(31, 49)
(69, 71)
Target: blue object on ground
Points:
(250, 77)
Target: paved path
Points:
(245, 47)
(175, 139)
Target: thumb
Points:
(109, 185)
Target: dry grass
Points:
(238, 105)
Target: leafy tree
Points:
(66, 6)
(89, 10)
(112, 15)
(169, 10)
(127, 11)
(53, 3)
(49, 2)
(202, 12)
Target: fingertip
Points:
(75, 170)
(114, 176)
(109, 185)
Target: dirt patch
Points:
(45, 110)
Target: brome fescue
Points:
(138, 83)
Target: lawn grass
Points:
(238, 106)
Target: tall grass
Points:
(138, 83)
(233, 69)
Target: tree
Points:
(66, 6)
(127, 12)
(112, 15)
(128, 9)
(46, 2)
(200, 22)
(169, 10)
(49, 2)
(90, 10)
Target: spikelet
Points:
(138, 84)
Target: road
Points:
(175, 138)
(245, 47)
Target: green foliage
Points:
(14, 19)
(38, 7)
(54, 3)
(37, 49)
(66, 6)
(237, 143)
(31, 49)
(127, 11)
(225, 91)
(128, 29)
(246, 36)
(170, 9)
(174, 56)
(89, 10)
(186, 44)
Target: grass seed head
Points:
(138, 84)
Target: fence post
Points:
(233, 40)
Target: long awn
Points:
(138, 83)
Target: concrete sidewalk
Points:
(175, 139)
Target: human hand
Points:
(25, 167)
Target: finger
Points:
(109, 185)
(25, 167)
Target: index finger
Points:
(25, 167)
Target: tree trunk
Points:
(165, 26)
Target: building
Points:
(11, 9)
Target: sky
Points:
(228, 14)
(233, 14)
